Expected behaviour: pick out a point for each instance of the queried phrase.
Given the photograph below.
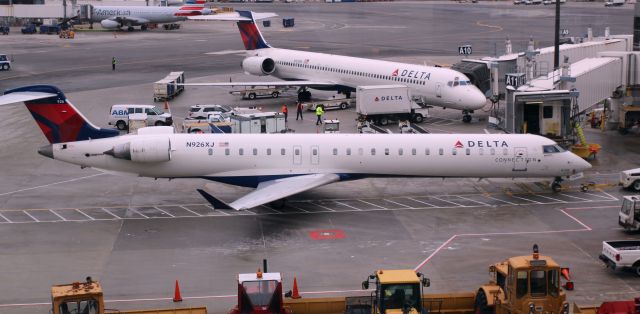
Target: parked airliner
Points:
(281, 165)
(117, 17)
(431, 85)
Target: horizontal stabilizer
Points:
(216, 203)
(19, 97)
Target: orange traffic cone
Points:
(296, 293)
(166, 105)
(565, 273)
(176, 296)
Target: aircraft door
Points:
(438, 90)
(520, 159)
(315, 155)
(297, 155)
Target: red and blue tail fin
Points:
(251, 36)
(58, 119)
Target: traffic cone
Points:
(166, 105)
(565, 273)
(176, 295)
(296, 293)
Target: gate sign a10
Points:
(465, 50)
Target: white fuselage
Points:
(436, 86)
(253, 155)
(142, 14)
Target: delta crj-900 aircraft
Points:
(433, 86)
(281, 165)
(117, 17)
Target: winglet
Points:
(216, 203)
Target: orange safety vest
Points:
(284, 109)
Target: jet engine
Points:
(258, 65)
(109, 24)
(143, 150)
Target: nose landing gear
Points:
(466, 116)
(555, 185)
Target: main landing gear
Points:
(466, 116)
(304, 95)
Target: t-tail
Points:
(251, 36)
(58, 119)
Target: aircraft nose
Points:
(579, 163)
(477, 100)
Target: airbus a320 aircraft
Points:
(117, 17)
(434, 86)
(281, 165)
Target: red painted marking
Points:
(328, 234)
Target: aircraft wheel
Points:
(252, 96)
(466, 118)
(143, 27)
(121, 125)
(275, 95)
(556, 187)
(343, 105)
(418, 118)
(130, 28)
(384, 121)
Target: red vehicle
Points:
(260, 293)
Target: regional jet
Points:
(282, 165)
(117, 17)
(433, 86)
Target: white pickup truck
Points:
(630, 179)
(621, 254)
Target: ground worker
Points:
(113, 64)
(285, 112)
(299, 110)
(319, 112)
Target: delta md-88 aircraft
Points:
(433, 86)
(281, 165)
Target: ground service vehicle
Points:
(29, 29)
(4, 29)
(384, 103)
(67, 34)
(119, 115)
(203, 111)
(168, 87)
(253, 93)
(87, 297)
(329, 104)
(5, 63)
(216, 122)
(50, 29)
(609, 307)
(524, 284)
(629, 118)
(621, 254)
(613, 3)
(629, 215)
(630, 179)
(331, 126)
(260, 293)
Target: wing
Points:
(273, 190)
(233, 16)
(19, 97)
(277, 83)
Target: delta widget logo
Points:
(395, 73)
(377, 99)
(458, 145)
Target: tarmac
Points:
(60, 223)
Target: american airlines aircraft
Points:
(281, 165)
(431, 85)
(117, 17)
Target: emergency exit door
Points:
(520, 159)
(315, 155)
(297, 155)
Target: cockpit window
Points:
(550, 149)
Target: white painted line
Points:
(271, 209)
(137, 212)
(403, 205)
(613, 198)
(594, 207)
(344, 204)
(220, 211)
(325, 207)
(419, 201)
(551, 198)
(5, 218)
(84, 214)
(34, 218)
(526, 199)
(435, 252)
(472, 200)
(576, 219)
(450, 202)
(110, 213)
(50, 184)
(156, 207)
(497, 199)
(246, 210)
(63, 219)
(372, 204)
(189, 210)
(579, 198)
(296, 207)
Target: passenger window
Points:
(130, 110)
(454, 151)
(227, 151)
(335, 151)
(138, 110)
(468, 151)
(427, 151)
(440, 151)
(282, 151)
(268, 151)
(210, 151)
(255, 152)
(296, 152)
(413, 151)
(400, 151)
(386, 151)
(240, 151)
(315, 152)
(373, 152)
(348, 151)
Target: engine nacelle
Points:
(143, 150)
(258, 66)
(109, 24)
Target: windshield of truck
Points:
(522, 284)
(194, 109)
(79, 307)
(260, 292)
(554, 282)
(401, 296)
(3, 58)
(626, 207)
(538, 283)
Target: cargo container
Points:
(169, 87)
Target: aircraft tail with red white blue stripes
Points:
(251, 36)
